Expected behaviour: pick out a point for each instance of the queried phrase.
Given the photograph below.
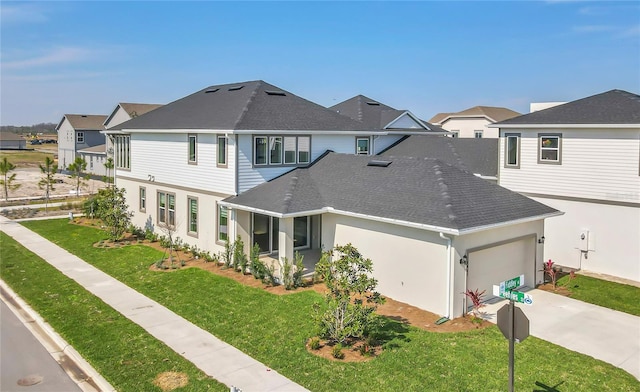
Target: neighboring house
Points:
(472, 122)
(12, 141)
(251, 160)
(77, 132)
(420, 220)
(377, 115)
(581, 158)
(477, 156)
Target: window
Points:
(276, 150)
(223, 224)
(166, 209)
(260, 150)
(550, 146)
(455, 133)
(192, 202)
(143, 199)
(512, 150)
(477, 134)
(123, 152)
(193, 142)
(289, 149)
(222, 151)
(80, 137)
(362, 145)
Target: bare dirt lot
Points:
(29, 177)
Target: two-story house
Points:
(254, 161)
(581, 157)
(79, 135)
(473, 122)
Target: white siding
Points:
(596, 164)
(405, 122)
(66, 145)
(119, 117)
(614, 237)
(249, 176)
(467, 126)
(382, 142)
(164, 157)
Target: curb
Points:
(86, 377)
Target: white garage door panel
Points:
(493, 265)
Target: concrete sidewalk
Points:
(602, 333)
(214, 357)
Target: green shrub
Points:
(227, 254)
(314, 343)
(256, 267)
(336, 351)
(240, 260)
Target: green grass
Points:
(122, 352)
(273, 329)
(21, 157)
(616, 296)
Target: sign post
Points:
(511, 320)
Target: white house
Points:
(473, 122)
(582, 158)
(252, 160)
(79, 135)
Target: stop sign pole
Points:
(512, 343)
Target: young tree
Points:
(111, 207)
(108, 165)
(352, 299)
(7, 180)
(77, 168)
(48, 179)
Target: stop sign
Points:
(521, 323)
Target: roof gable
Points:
(84, 122)
(254, 105)
(131, 109)
(415, 190)
(491, 113)
(611, 107)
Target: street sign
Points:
(511, 284)
(521, 323)
(513, 295)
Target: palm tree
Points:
(7, 180)
(48, 179)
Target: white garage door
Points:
(493, 264)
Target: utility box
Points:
(586, 241)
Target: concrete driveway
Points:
(602, 333)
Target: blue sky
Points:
(428, 57)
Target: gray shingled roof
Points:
(85, 122)
(254, 105)
(493, 113)
(611, 107)
(373, 113)
(478, 156)
(420, 191)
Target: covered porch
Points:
(310, 259)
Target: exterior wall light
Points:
(541, 240)
(464, 261)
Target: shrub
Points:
(256, 267)
(336, 351)
(240, 260)
(298, 270)
(550, 271)
(287, 276)
(476, 298)
(314, 343)
(365, 349)
(270, 277)
(292, 272)
(227, 254)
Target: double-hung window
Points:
(222, 151)
(362, 145)
(550, 148)
(223, 224)
(166, 209)
(192, 203)
(193, 144)
(143, 199)
(80, 137)
(276, 150)
(512, 150)
(477, 134)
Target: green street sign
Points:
(511, 284)
(518, 296)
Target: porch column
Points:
(285, 239)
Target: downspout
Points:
(448, 307)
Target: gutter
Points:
(557, 126)
(449, 274)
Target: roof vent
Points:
(378, 163)
(373, 103)
(275, 92)
(211, 90)
(234, 88)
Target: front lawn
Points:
(122, 352)
(612, 295)
(273, 329)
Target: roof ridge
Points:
(456, 155)
(444, 191)
(288, 195)
(245, 109)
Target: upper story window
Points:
(512, 150)
(362, 145)
(550, 148)
(276, 150)
(193, 143)
(477, 134)
(80, 137)
(222, 151)
(123, 151)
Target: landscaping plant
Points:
(476, 299)
(550, 271)
(7, 180)
(351, 300)
(48, 179)
(77, 168)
